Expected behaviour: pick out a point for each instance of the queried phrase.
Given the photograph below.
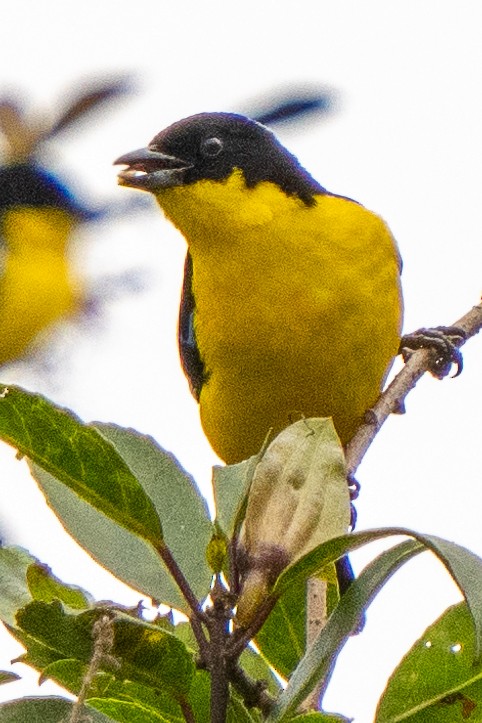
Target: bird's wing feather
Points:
(190, 358)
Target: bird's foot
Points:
(443, 341)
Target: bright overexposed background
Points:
(404, 141)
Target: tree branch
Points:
(252, 691)
(217, 620)
(394, 396)
(198, 616)
(390, 401)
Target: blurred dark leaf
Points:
(292, 108)
(6, 676)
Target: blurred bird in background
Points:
(39, 216)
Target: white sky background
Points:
(405, 142)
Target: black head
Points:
(211, 146)
(28, 185)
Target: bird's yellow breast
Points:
(298, 308)
(36, 285)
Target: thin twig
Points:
(198, 616)
(187, 711)
(103, 634)
(240, 638)
(394, 396)
(316, 617)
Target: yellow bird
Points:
(37, 286)
(291, 302)
(38, 217)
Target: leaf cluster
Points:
(140, 515)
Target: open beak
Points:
(151, 170)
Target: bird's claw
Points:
(443, 340)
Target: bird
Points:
(291, 303)
(39, 217)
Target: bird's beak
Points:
(151, 170)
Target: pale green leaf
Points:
(14, 593)
(44, 710)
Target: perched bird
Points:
(291, 301)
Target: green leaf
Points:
(126, 555)
(181, 630)
(282, 638)
(129, 711)
(14, 562)
(466, 570)
(120, 699)
(145, 653)
(183, 511)
(77, 455)
(437, 681)
(152, 656)
(314, 717)
(150, 701)
(67, 634)
(299, 496)
(317, 559)
(6, 676)
(318, 661)
(44, 710)
(258, 669)
(199, 696)
(230, 487)
(463, 565)
(238, 713)
(43, 585)
(38, 655)
(67, 672)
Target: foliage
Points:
(282, 518)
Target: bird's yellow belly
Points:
(308, 329)
(38, 297)
(298, 308)
(36, 287)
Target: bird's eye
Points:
(212, 147)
